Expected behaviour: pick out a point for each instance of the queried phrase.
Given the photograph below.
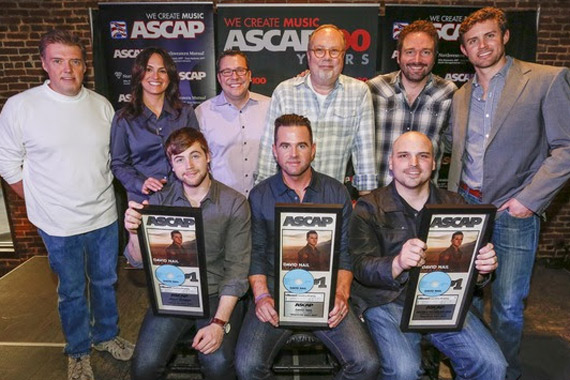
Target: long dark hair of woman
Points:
(172, 95)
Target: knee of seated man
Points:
(491, 365)
(217, 364)
(371, 366)
(401, 370)
(145, 369)
(247, 366)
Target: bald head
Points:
(412, 161)
(414, 138)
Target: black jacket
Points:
(379, 227)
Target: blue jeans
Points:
(159, 335)
(78, 260)
(259, 343)
(472, 351)
(515, 240)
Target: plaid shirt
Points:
(344, 127)
(429, 114)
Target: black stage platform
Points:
(31, 341)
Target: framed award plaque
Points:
(307, 245)
(172, 248)
(439, 293)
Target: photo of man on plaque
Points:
(450, 251)
(315, 255)
(182, 251)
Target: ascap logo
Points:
(447, 31)
(456, 77)
(397, 28)
(167, 29)
(191, 75)
(457, 221)
(308, 221)
(118, 30)
(123, 98)
(170, 221)
(126, 53)
(272, 40)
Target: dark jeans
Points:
(88, 259)
(159, 335)
(515, 240)
(349, 342)
(472, 351)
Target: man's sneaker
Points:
(120, 348)
(79, 368)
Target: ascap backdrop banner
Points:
(451, 63)
(275, 37)
(185, 30)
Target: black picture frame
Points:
(176, 276)
(305, 285)
(440, 292)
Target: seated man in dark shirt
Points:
(384, 247)
(297, 182)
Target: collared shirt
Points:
(428, 114)
(227, 235)
(342, 128)
(233, 138)
(481, 115)
(137, 146)
(262, 200)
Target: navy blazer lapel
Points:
(514, 86)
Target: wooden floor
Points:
(31, 341)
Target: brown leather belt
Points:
(475, 193)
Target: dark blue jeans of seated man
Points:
(259, 343)
(159, 335)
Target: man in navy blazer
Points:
(510, 130)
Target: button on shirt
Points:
(429, 114)
(137, 146)
(227, 235)
(481, 115)
(262, 200)
(233, 137)
(342, 128)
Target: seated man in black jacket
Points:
(384, 247)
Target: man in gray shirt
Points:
(227, 239)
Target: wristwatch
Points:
(223, 324)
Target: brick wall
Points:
(23, 22)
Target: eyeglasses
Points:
(333, 53)
(240, 71)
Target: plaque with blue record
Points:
(307, 246)
(172, 248)
(439, 293)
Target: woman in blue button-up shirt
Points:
(140, 129)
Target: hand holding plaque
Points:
(441, 286)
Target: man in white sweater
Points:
(54, 153)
